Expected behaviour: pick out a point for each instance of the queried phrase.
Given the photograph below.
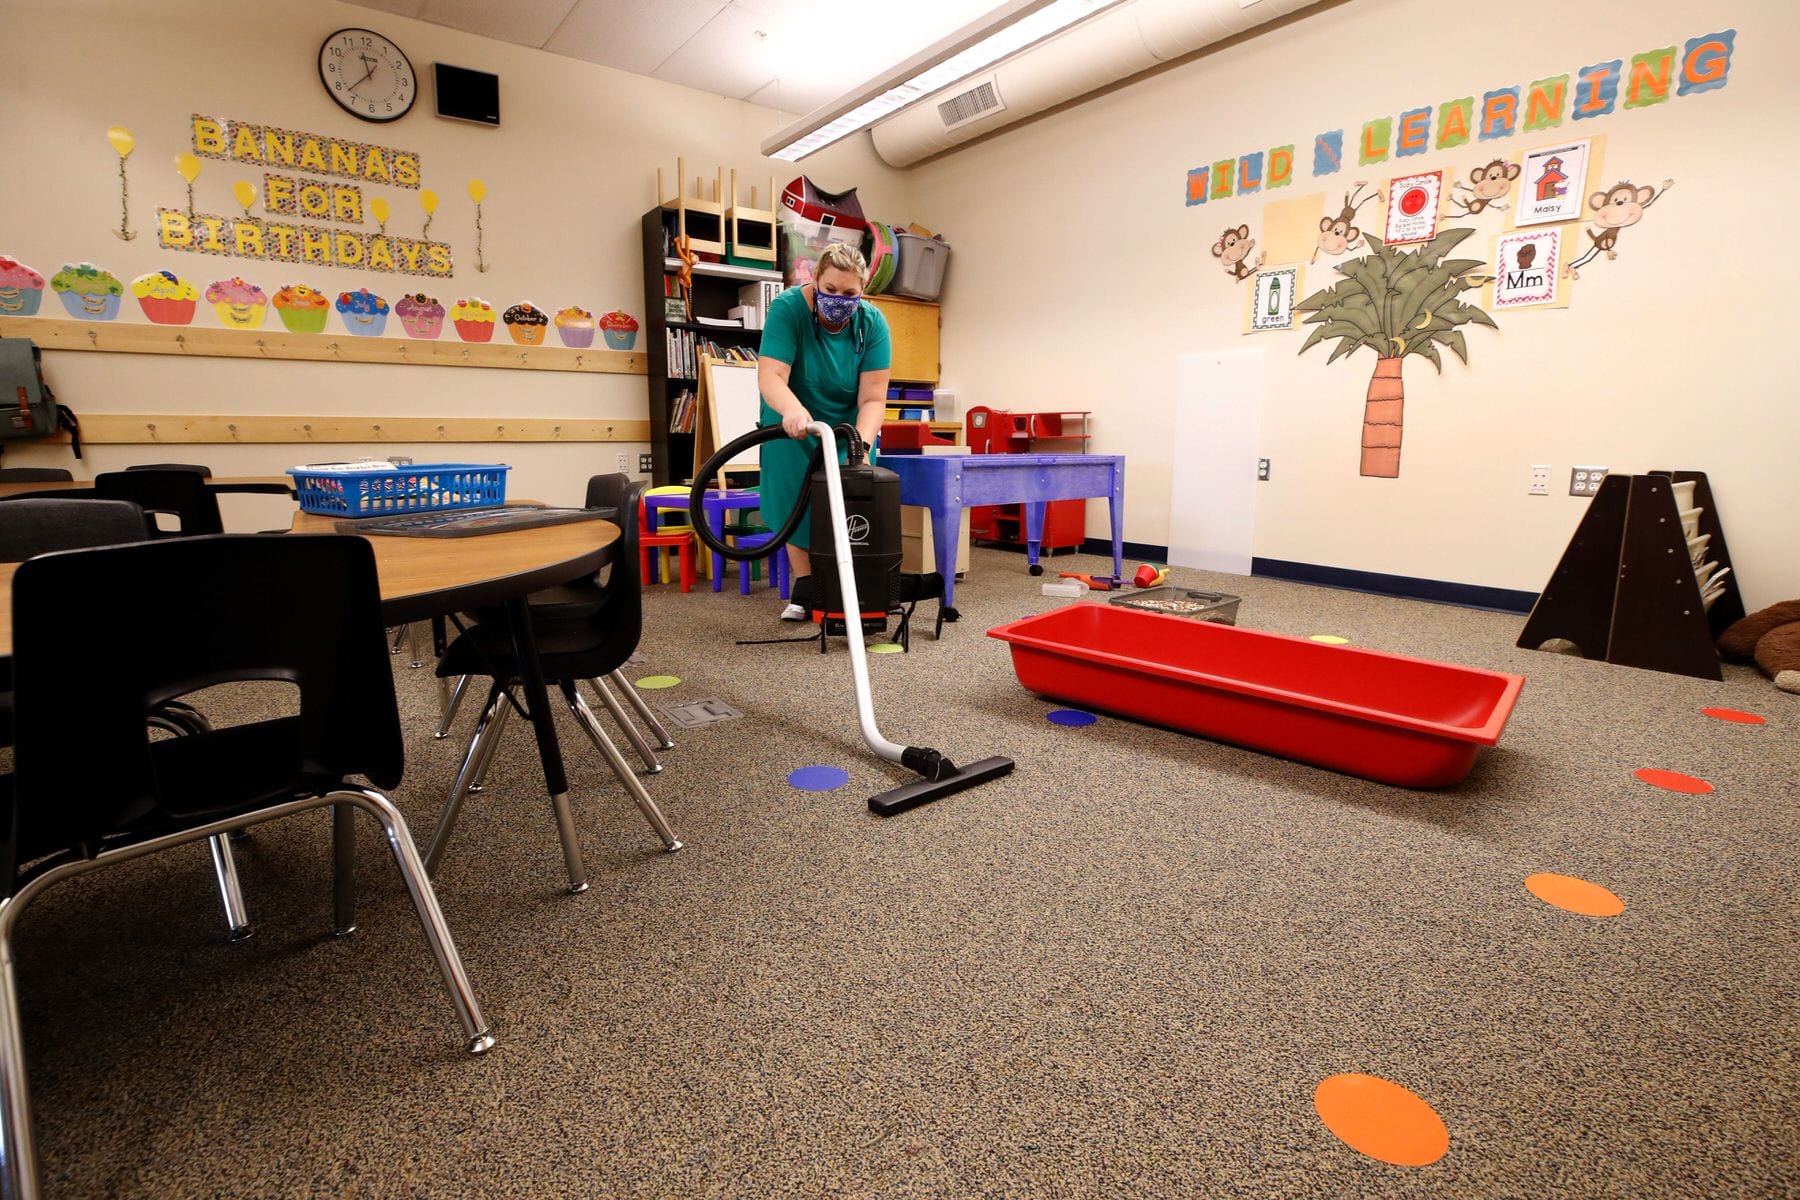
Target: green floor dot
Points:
(884, 648)
(652, 682)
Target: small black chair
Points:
(611, 495)
(593, 640)
(31, 527)
(178, 492)
(159, 620)
(34, 475)
(203, 472)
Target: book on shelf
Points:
(721, 322)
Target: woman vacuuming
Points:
(824, 357)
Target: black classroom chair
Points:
(179, 492)
(156, 621)
(30, 527)
(611, 495)
(202, 471)
(35, 475)
(577, 639)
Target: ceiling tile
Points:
(400, 8)
(523, 22)
(632, 35)
(725, 56)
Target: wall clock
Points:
(367, 75)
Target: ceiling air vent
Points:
(966, 106)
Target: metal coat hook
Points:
(334, 350)
(181, 340)
(308, 429)
(377, 428)
(440, 430)
(94, 338)
(261, 348)
(152, 428)
(232, 430)
(556, 431)
(578, 359)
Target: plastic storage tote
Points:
(920, 273)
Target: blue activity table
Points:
(948, 483)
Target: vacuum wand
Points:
(940, 776)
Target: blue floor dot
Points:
(1070, 716)
(818, 779)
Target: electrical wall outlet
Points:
(1540, 481)
(624, 462)
(1585, 481)
(646, 464)
(1262, 469)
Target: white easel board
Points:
(730, 401)
(1212, 491)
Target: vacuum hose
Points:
(730, 451)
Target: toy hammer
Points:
(1100, 583)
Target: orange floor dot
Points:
(1735, 715)
(1673, 781)
(1382, 1120)
(1575, 895)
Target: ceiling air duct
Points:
(1119, 43)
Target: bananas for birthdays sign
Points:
(302, 176)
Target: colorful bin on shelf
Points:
(373, 492)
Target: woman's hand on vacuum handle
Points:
(794, 424)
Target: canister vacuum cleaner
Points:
(856, 557)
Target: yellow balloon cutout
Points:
(188, 166)
(428, 201)
(122, 141)
(246, 195)
(477, 190)
(379, 207)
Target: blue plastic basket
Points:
(428, 487)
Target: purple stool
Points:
(778, 564)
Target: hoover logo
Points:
(858, 525)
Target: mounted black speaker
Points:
(465, 95)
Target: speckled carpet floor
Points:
(1121, 971)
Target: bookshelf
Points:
(715, 293)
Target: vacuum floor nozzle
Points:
(911, 795)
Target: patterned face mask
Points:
(835, 310)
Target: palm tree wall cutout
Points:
(1396, 303)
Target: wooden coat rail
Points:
(165, 429)
(125, 337)
(1625, 589)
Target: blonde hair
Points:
(843, 257)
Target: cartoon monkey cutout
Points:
(1618, 207)
(1232, 248)
(1487, 188)
(1339, 234)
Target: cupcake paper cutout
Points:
(88, 292)
(420, 315)
(575, 326)
(240, 305)
(165, 297)
(474, 319)
(364, 313)
(302, 309)
(527, 324)
(21, 288)
(621, 329)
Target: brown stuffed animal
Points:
(1770, 637)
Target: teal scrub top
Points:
(826, 369)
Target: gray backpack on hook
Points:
(28, 408)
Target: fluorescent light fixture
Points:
(1005, 31)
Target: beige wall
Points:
(569, 175)
(1079, 276)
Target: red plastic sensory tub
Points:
(1410, 722)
